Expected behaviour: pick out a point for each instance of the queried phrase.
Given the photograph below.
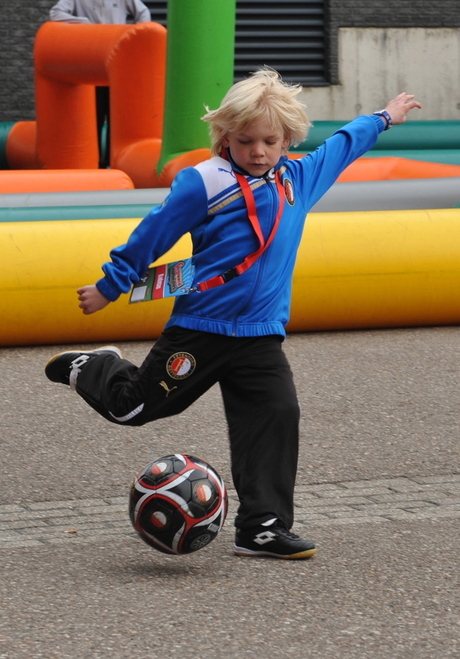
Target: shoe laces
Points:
(281, 530)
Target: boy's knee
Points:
(284, 409)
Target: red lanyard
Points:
(253, 218)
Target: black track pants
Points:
(259, 399)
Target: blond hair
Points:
(264, 96)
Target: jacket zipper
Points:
(271, 190)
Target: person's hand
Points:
(91, 299)
(399, 106)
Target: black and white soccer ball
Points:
(178, 504)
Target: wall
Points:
(376, 64)
(19, 22)
(386, 14)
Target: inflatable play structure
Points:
(425, 141)
(354, 270)
(69, 61)
(399, 194)
(381, 249)
(158, 92)
(363, 268)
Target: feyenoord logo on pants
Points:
(180, 365)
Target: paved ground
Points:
(378, 489)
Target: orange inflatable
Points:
(391, 169)
(63, 180)
(70, 60)
(21, 152)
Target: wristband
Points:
(386, 116)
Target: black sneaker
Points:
(65, 366)
(274, 541)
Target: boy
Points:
(245, 209)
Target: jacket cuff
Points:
(107, 291)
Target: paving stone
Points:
(52, 522)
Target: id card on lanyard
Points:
(176, 278)
(167, 280)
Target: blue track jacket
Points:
(206, 200)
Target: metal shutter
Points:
(158, 10)
(288, 35)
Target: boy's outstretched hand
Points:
(91, 299)
(400, 105)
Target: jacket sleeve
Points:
(183, 209)
(321, 168)
(64, 11)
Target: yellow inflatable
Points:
(354, 270)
